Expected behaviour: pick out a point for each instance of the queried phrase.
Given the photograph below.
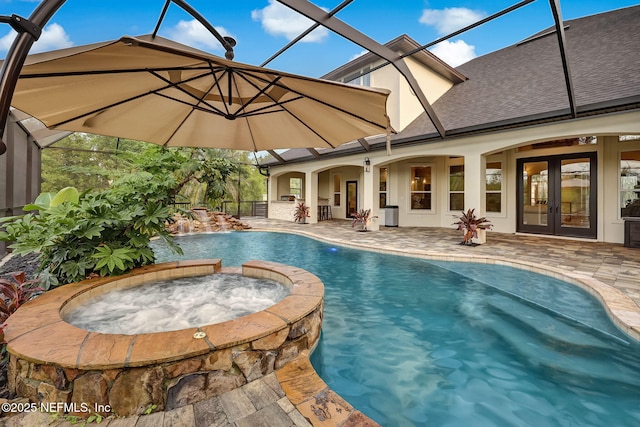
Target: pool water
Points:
(413, 342)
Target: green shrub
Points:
(95, 233)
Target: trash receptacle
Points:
(631, 232)
(391, 216)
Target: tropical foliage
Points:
(14, 293)
(95, 233)
(301, 213)
(362, 218)
(470, 224)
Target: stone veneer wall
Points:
(281, 210)
(125, 375)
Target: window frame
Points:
(501, 191)
(620, 189)
(337, 193)
(431, 192)
(386, 189)
(454, 162)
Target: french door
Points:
(557, 195)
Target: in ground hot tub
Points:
(53, 361)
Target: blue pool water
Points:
(412, 342)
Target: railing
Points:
(183, 205)
(247, 208)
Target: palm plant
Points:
(363, 218)
(301, 213)
(470, 224)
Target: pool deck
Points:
(609, 271)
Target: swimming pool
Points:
(413, 342)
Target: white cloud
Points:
(193, 33)
(279, 20)
(53, 37)
(450, 19)
(454, 53)
(358, 55)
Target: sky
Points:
(262, 27)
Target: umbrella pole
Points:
(28, 32)
(239, 181)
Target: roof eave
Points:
(600, 108)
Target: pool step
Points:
(560, 346)
(550, 325)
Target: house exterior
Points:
(514, 150)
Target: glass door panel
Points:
(534, 202)
(575, 193)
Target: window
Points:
(336, 190)
(383, 188)
(625, 138)
(456, 187)
(493, 187)
(360, 78)
(630, 184)
(560, 143)
(295, 187)
(421, 187)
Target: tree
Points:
(201, 176)
(86, 161)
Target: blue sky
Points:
(262, 27)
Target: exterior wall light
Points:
(367, 164)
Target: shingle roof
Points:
(525, 82)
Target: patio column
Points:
(369, 196)
(272, 194)
(475, 166)
(311, 195)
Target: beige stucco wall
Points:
(402, 105)
(476, 150)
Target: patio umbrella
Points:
(152, 89)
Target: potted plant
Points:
(301, 213)
(362, 218)
(470, 224)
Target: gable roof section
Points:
(402, 45)
(524, 83)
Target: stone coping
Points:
(620, 308)
(38, 333)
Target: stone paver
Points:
(236, 404)
(269, 416)
(210, 413)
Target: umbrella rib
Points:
(302, 122)
(133, 98)
(261, 110)
(302, 95)
(246, 119)
(193, 107)
(253, 98)
(100, 72)
(186, 92)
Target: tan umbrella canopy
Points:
(155, 90)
